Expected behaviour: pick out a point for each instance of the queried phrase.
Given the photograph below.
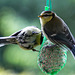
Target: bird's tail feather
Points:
(73, 51)
(7, 40)
(2, 45)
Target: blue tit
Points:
(27, 38)
(56, 30)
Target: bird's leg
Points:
(35, 50)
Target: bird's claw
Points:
(35, 50)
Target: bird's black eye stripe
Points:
(46, 15)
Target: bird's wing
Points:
(62, 38)
(16, 33)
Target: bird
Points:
(27, 38)
(56, 30)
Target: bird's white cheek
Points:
(42, 21)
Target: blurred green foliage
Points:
(17, 14)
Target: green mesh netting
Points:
(52, 58)
(48, 5)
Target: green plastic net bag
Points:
(52, 58)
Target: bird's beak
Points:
(40, 16)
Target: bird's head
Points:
(46, 16)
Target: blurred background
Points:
(17, 14)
